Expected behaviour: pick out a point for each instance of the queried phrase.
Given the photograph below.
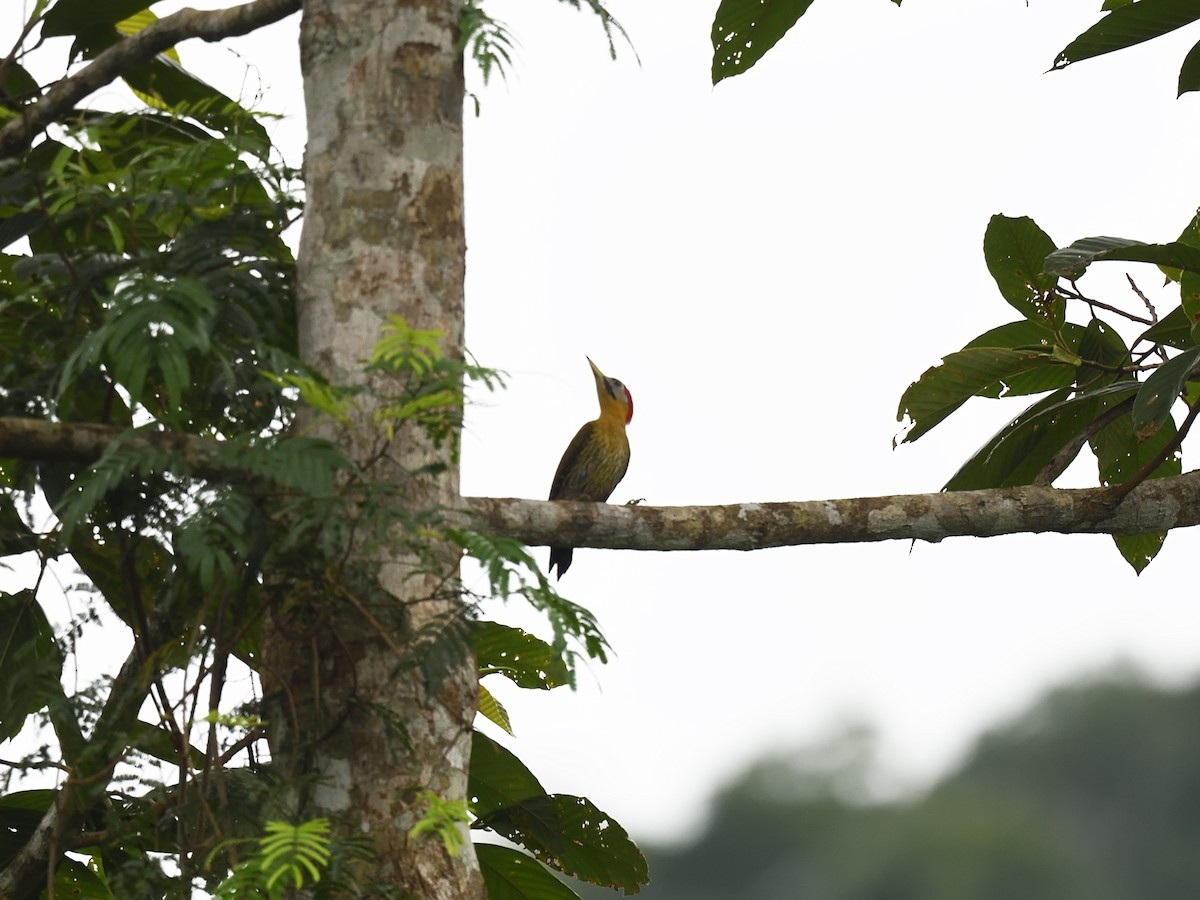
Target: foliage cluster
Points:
(146, 287)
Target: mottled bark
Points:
(1159, 504)
(383, 235)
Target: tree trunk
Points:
(383, 235)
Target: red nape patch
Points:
(629, 397)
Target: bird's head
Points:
(613, 394)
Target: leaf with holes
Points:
(1014, 249)
(977, 372)
(570, 834)
(512, 875)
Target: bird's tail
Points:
(561, 557)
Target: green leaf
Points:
(1070, 262)
(1173, 330)
(1104, 349)
(1189, 72)
(1158, 394)
(73, 17)
(1189, 296)
(1019, 451)
(526, 660)
(977, 372)
(584, 842)
(20, 814)
(1025, 334)
(30, 661)
(159, 743)
(497, 778)
(1127, 25)
(493, 709)
(1139, 550)
(512, 875)
(1015, 249)
(744, 30)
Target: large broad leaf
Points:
(75, 17)
(1173, 330)
(1189, 72)
(518, 655)
(20, 814)
(977, 372)
(1161, 390)
(1119, 456)
(744, 30)
(30, 661)
(1023, 448)
(1015, 249)
(1103, 354)
(584, 842)
(1070, 262)
(1127, 25)
(497, 778)
(512, 875)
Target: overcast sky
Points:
(767, 265)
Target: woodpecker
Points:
(596, 458)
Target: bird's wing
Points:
(568, 461)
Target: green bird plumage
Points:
(597, 457)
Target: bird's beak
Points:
(599, 376)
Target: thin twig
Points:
(1145, 299)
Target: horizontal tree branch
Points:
(208, 25)
(1156, 505)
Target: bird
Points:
(597, 457)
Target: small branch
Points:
(208, 25)
(1145, 299)
(1076, 294)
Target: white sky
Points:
(768, 265)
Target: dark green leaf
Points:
(527, 660)
(1071, 261)
(1139, 550)
(497, 778)
(512, 875)
(1189, 296)
(1019, 451)
(744, 30)
(20, 814)
(181, 91)
(1173, 330)
(1189, 73)
(1026, 334)
(978, 372)
(78, 16)
(1127, 25)
(1120, 453)
(30, 661)
(1102, 347)
(1015, 249)
(159, 743)
(1119, 456)
(1160, 391)
(585, 842)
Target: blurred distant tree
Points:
(1090, 794)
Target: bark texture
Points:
(383, 235)
(1158, 504)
